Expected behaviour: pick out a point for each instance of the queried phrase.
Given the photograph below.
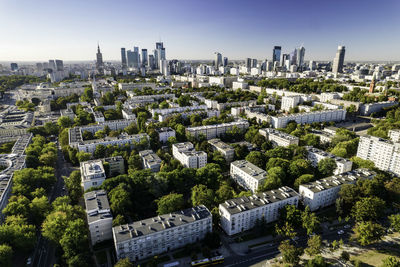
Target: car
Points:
(295, 238)
(29, 261)
(340, 232)
(347, 226)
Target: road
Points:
(263, 253)
(44, 254)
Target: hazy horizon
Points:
(40, 30)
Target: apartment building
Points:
(89, 146)
(226, 150)
(92, 173)
(214, 131)
(385, 154)
(278, 138)
(150, 160)
(98, 215)
(368, 109)
(281, 121)
(209, 113)
(324, 192)
(165, 111)
(394, 135)
(241, 214)
(153, 236)
(315, 155)
(188, 156)
(247, 175)
(116, 166)
(164, 133)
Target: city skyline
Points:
(71, 31)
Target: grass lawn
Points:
(101, 257)
(5, 148)
(372, 257)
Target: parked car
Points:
(340, 232)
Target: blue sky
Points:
(195, 29)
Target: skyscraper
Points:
(131, 59)
(284, 58)
(218, 59)
(248, 62)
(59, 65)
(300, 56)
(339, 60)
(276, 54)
(144, 57)
(52, 64)
(136, 57)
(159, 53)
(151, 63)
(123, 57)
(254, 63)
(14, 66)
(99, 59)
(225, 62)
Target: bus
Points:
(207, 262)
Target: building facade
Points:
(315, 155)
(278, 138)
(226, 150)
(92, 173)
(247, 175)
(188, 156)
(214, 131)
(150, 160)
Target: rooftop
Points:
(160, 223)
(97, 206)
(91, 168)
(279, 133)
(237, 205)
(250, 169)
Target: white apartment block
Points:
(394, 135)
(150, 160)
(226, 150)
(278, 138)
(154, 236)
(131, 86)
(209, 113)
(188, 156)
(326, 97)
(164, 133)
(324, 192)
(289, 102)
(281, 121)
(98, 117)
(99, 216)
(247, 175)
(127, 114)
(383, 153)
(241, 214)
(165, 111)
(368, 109)
(92, 173)
(214, 131)
(315, 155)
(89, 146)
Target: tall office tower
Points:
(99, 59)
(163, 54)
(123, 57)
(39, 66)
(300, 52)
(14, 66)
(293, 57)
(151, 63)
(131, 58)
(284, 58)
(225, 62)
(164, 67)
(268, 66)
(248, 62)
(136, 56)
(254, 63)
(218, 59)
(144, 57)
(59, 65)
(276, 54)
(339, 60)
(312, 65)
(52, 64)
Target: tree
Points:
(390, 261)
(17, 205)
(87, 95)
(368, 232)
(65, 122)
(392, 187)
(368, 208)
(224, 192)
(345, 255)
(362, 163)
(310, 221)
(326, 167)
(170, 203)
(257, 158)
(124, 263)
(83, 156)
(6, 253)
(73, 185)
(120, 199)
(135, 162)
(100, 151)
(118, 220)
(54, 226)
(311, 140)
(277, 162)
(274, 179)
(290, 253)
(299, 167)
(285, 230)
(201, 195)
(314, 245)
(74, 239)
(39, 209)
(209, 175)
(17, 233)
(318, 261)
(303, 179)
(395, 222)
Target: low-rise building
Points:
(324, 192)
(150, 160)
(315, 155)
(188, 156)
(164, 133)
(116, 166)
(226, 150)
(153, 236)
(241, 214)
(99, 216)
(368, 109)
(92, 173)
(247, 175)
(281, 121)
(279, 138)
(217, 130)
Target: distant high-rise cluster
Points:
(99, 60)
(339, 60)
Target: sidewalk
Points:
(243, 247)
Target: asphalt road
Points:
(44, 254)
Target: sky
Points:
(38, 30)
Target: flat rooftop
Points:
(97, 205)
(250, 169)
